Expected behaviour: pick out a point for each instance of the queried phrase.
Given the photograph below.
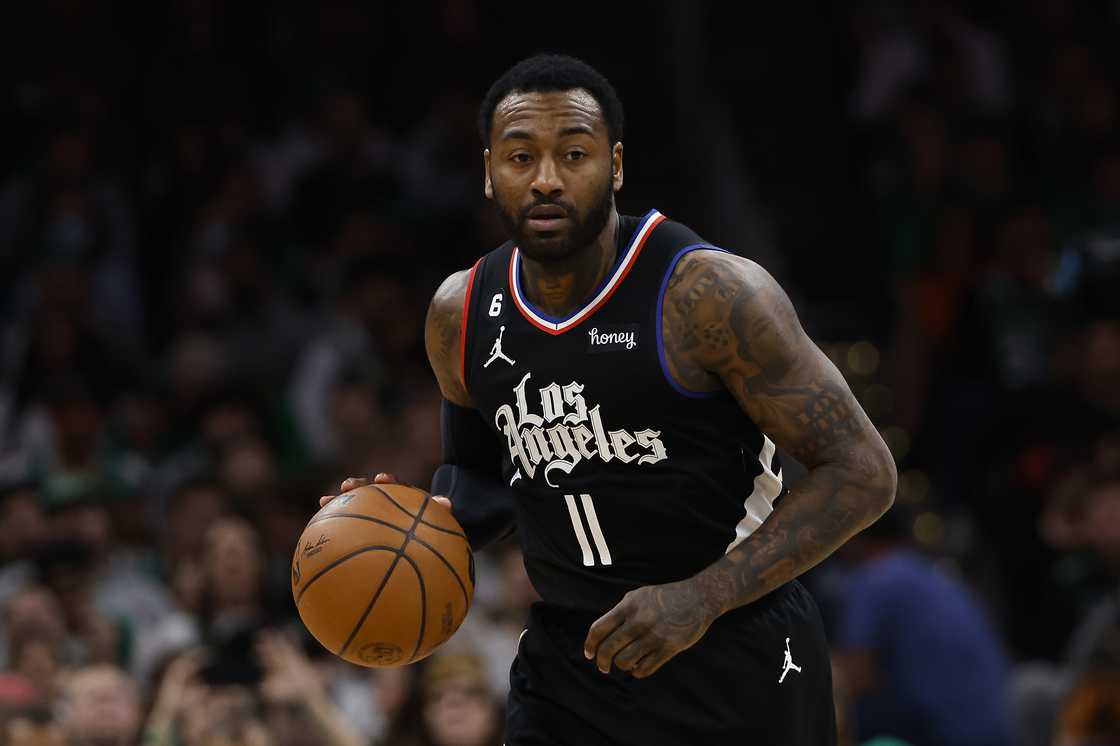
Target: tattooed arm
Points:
(471, 473)
(728, 323)
(795, 395)
(441, 337)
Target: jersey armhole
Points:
(463, 337)
(660, 323)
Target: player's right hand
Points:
(353, 483)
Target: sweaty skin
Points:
(726, 324)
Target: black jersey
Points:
(623, 478)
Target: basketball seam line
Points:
(446, 530)
(436, 552)
(399, 506)
(439, 555)
(423, 606)
(444, 560)
(407, 513)
(389, 572)
(372, 601)
(338, 561)
(361, 517)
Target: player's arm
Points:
(729, 323)
(798, 398)
(443, 338)
(470, 475)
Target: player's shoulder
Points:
(715, 297)
(720, 274)
(452, 292)
(442, 338)
(445, 315)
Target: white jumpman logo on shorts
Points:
(788, 665)
(496, 350)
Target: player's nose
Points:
(546, 180)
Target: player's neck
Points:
(558, 288)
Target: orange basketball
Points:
(383, 575)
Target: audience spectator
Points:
(298, 710)
(99, 706)
(451, 704)
(1089, 578)
(1091, 714)
(919, 659)
(189, 711)
(34, 636)
(494, 629)
(25, 526)
(284, 703)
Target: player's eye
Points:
(520, 157)
(576, 155)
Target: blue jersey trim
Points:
(660, 337)
(602, 284)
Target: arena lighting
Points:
(913, 486)
(898, 440)
(863, 358)
(929, 529)
(878, 400)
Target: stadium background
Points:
(219, 230)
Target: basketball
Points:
(383, 575)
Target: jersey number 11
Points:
(593, 525)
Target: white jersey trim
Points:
(557, 325)
(760, 503)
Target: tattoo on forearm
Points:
(813, 520)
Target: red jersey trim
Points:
(559, 326)
(463, 326)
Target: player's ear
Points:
(487, 186)
(616, 166)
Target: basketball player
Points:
(616, 387)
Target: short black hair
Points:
(552, 72)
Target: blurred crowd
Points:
(984, 137)
(218, 238)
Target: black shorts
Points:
(729, 688)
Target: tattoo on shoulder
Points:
(693, 324)
(727, 320)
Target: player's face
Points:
(552, 171)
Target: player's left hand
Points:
(353, 483)
(648, 627)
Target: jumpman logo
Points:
(496, 350)
(788, 665)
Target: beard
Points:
(557, 246)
